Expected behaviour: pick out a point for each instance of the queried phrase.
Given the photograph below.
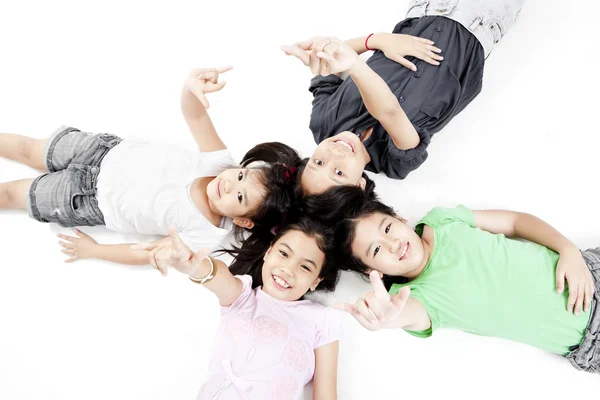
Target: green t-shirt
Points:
(490, 285)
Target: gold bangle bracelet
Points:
(213, 272)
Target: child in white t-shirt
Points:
(133, 186)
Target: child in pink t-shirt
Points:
(270, 342)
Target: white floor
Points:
(94, 330)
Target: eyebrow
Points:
(378, 229)
(308, 260)
(244, 190)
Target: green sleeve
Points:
(444, 216)
(433, 315)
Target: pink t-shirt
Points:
(265, 347)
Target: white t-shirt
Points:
(145, 187)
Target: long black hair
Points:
(277, 173)
(249, 256)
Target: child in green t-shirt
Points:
(468, 270)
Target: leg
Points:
(13, 195)
(23, 149)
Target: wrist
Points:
(375, 41)
(568, 248)
(95, 250)
(359, 66)
(200, 270)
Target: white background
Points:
(95, 330)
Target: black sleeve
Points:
(323, 118)
(397, 164)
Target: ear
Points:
(243, 222)
(368, 272)
(362, 182)
(315, 284)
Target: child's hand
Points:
(572, 267)
(324, 55)
(205, 80)
(375, 309)
(173, 252)
(396, 46)
(79, 247)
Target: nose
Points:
(227, 186)
(337, 152)
(394, 245)
(287, 270)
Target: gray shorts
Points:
(67, 194)
(586, 357)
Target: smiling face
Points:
(292, 266)
(339, 160)
(388, 245)
(235, 193)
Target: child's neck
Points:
(427, 242)
(200, 199)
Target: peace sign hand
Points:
(376, 309)
(172, 252)
(201, 81)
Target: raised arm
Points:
(571, 265)
(84, 246)
(194, 104)
(197, 266)
(381, 103)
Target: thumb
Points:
(349, 308)
(215, 87)
(297, 52)
(560, 280)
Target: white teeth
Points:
(281, 281)
(346, 145)
(404, 250)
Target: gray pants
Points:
(586, 357)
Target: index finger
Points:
(378, 287)
(297, 52)
(224, 69)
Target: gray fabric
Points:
(430, 97)
(488, 20)
(586, 357)
(67, 194)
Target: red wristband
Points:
(367, 41)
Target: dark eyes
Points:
(240, 197)
(386, 230)
(240, 176)
(283, 253)
(339, 173)
(319, 162)
(305, 267)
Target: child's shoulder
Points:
(440, 216)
